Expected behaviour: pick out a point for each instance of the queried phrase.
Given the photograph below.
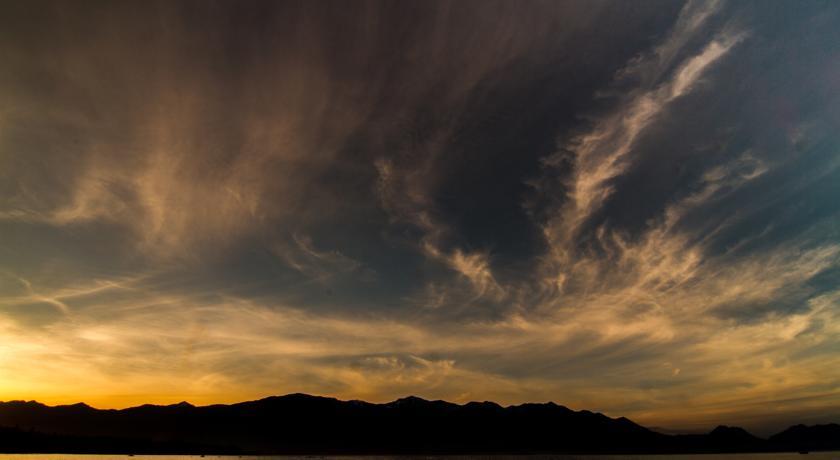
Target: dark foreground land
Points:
(302, 424)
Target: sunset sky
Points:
(630, 207)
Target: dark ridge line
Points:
(298, 423)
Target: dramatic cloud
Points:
(624, 207)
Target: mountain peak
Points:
(78, 406)
(22, 403)
(182, 404)
(483, 404)
(409, 402)
(729, 431)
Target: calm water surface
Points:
(779, 456)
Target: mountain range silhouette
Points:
(304, 424)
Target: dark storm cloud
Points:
(177, 116)
(602, 203)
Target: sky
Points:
(625, 207)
